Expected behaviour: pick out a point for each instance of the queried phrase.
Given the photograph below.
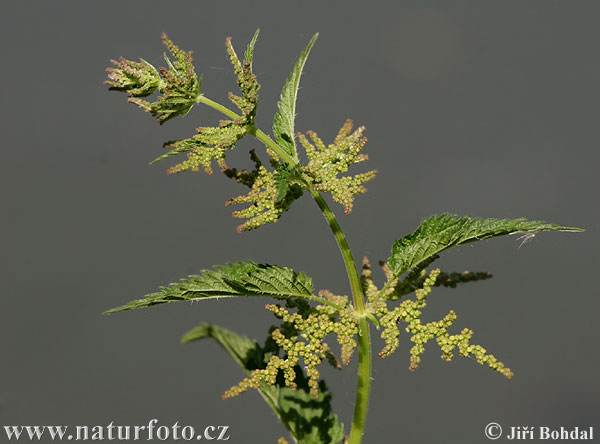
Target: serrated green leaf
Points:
(283, 122)
(232, 280)
(289, 183)
(308, 420)
(282, 178)
(249, 55)
(441, 232)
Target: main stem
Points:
(361, 405)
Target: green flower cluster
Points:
(213, 142)
(247, 82)
(209, 143)
(326, 162)
(376, 300)
(133, 78)
(271, 191)
(267, 198)
(447, 343)
(179, 86)
(307, 343)
(262, 196)
(410, 311)
(407, 311)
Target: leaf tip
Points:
(112, 311)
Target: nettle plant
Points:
(285, 368)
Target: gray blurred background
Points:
(482, 108)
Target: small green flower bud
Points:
(133, 78)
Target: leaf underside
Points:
(445, 231)
(308, 420)
(283, 122)
(231, 280)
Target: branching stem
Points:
(364, 337)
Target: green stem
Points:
(215, 105)
(363, 389)
(264, 138)
(364, 336)
(361, 406)
(357, 294)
